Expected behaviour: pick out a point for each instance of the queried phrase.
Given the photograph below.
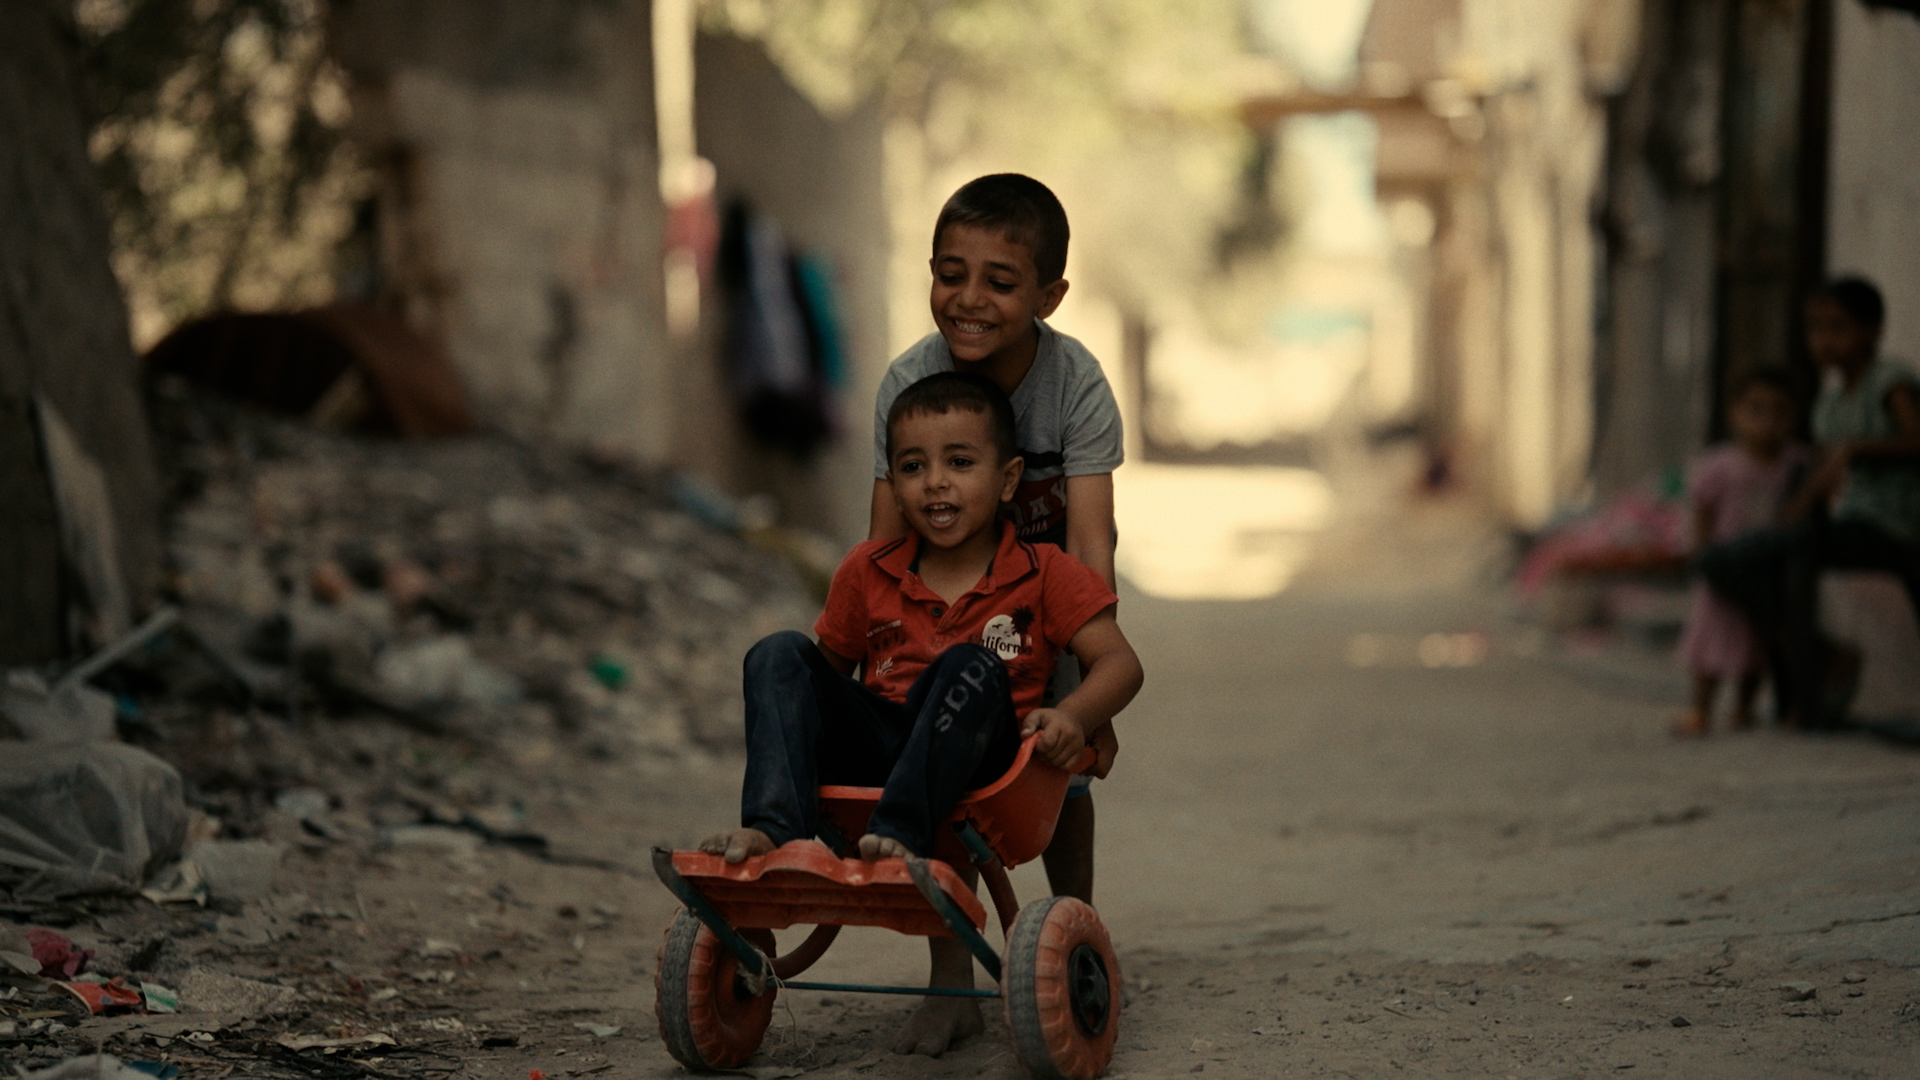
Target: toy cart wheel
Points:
(709, 1019)
(1062, 990)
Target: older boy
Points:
(956, 626)
(999, 256)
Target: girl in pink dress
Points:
(1736, 488)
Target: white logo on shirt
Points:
(1001, 637)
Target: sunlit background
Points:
(1356, 268)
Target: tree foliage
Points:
(1128, 108)
(219, 136)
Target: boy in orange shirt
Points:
(956, 627)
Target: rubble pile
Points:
(473, 585)
(384, 674)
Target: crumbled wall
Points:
(520, 217)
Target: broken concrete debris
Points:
(376, 655)
(472, 583)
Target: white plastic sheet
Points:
(85, 817)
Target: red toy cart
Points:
(719, 971)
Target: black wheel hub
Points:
(1090, 988)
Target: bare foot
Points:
(942, 1022)
(1692, 724)
(874, 846)
(738, 845)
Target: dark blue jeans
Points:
(808, 725)
(1773, 577)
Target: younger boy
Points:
(999, 256)
(956, 626)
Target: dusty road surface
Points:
(1371, 828)
(1319, 857)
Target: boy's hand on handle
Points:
(1060, 740)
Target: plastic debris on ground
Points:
(86, 817)
(103, 997)
(92, 1067)
(373, 654)
(56, 954)
(326, 1042)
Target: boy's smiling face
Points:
(986, 294)
(947, 475)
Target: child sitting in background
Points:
(1736, 488)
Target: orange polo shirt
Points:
(1029, 604)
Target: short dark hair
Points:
(945, 391)
(1019, 206)
(1767, 378)
(1858, 297)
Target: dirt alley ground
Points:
(1318, 857)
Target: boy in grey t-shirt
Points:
(999, 259)
(1069, 426)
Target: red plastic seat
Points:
(1015, 814)
(803, 881)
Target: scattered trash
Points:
(92, 1067)
(598, 1031)
(304, 803)
(1797, 991)
(30, 709)
(443, 671)
(611, 673)
(159, 999)
(56, 954)
(236, 869)
(101, 997)
(159, 622)
(18, 965)
(324, 1042)
(86, 817)
(216, 992)
(444, 839)
(158, 1069)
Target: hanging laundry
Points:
(773, 360)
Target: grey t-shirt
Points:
(1064, 414)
